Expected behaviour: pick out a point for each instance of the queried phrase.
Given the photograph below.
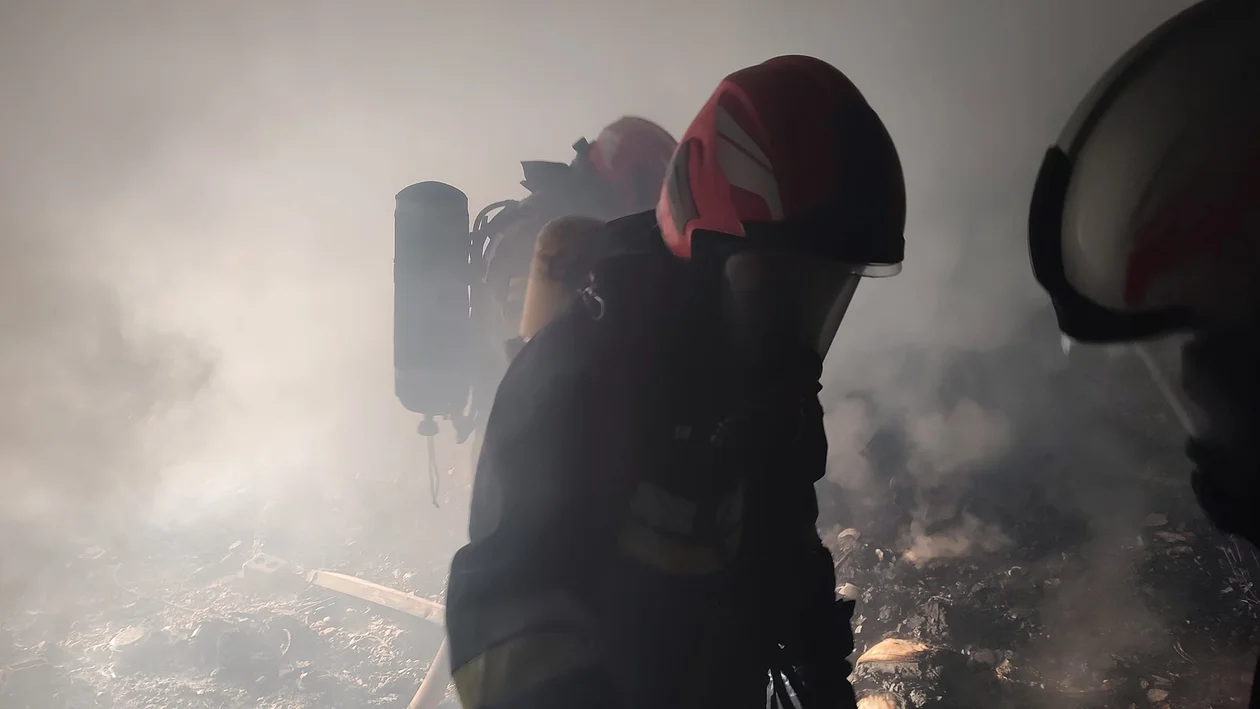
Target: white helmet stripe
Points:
(745, 165)
(730, 129)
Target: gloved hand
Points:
(1221, 377)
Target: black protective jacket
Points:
(640, 535)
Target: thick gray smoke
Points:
(84, 385)
(194, 278)
(950, 401)
(967, 293)
(92, 403)
(195, 258)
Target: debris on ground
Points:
(1099, 585)
(1071, 568)
(880, 700)
(894, 657)
(1017, 630)
(199, 619)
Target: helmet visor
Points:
(777, 302)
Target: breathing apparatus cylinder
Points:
(563, 254)
(433, 329)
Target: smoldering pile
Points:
(87, 392)
(212, 617)
(1021, 629)
(101, 605)
(1035, 544)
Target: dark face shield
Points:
(780, 303)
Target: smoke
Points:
(84, 389)
(968, 536)
(911, 344)
(849, 431)
(944, 447)
(950, 377)
(93, 403)
(196, 265)
(960, 433)
(947, 443)
(195, 286)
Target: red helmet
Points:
(788, 153)
(631, 155)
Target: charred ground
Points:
(1067, 566)
(1071, 569)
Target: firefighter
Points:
(1145, 223)
(643, 517)
(618, 174)
(1174, 247)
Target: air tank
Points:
(563, 254)
(433, 330)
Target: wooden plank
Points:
(401, 601)
(433, 687)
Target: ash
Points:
(169, 619)
(1029, 542)
(1071, 568)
